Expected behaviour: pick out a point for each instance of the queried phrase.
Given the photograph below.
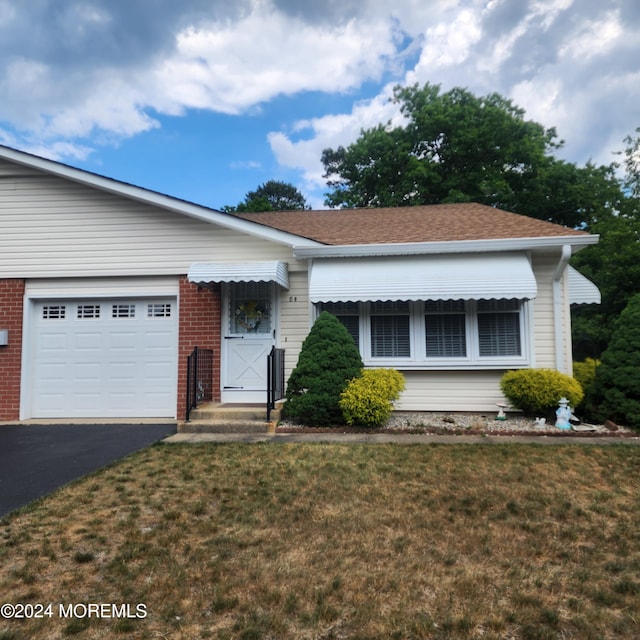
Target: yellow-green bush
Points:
(585, 372)
(368, 400)
(537, 391)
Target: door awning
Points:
(206, 272)
(459, 277)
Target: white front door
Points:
(248, 339)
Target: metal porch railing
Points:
(275, 379)
(199, 379)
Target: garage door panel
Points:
(88, 373)
(88, 341)
(53, 342)
(105, 358)
(52, 372)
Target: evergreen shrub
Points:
(615, 393)
(368, 400)
(328, 359)
(537, 391)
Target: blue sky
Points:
(207, 99)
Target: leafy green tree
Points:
(613, 264)
(632, 164)
(456, 147)
(271, 196)
(328, 359)
(615, 393)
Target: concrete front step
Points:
(217, 418)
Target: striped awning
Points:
(459, 277)
(581, 289)
(206, 272)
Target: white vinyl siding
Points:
(52, 227)
(477, 390)
(293, 318)
(543, 324)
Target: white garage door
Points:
(105, 358)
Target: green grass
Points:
(338, 541)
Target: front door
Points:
(248, 339)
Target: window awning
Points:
(460, 277)
(206, 272)
(581, 289)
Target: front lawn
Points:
(323, 541)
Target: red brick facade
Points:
(200, 317)
(11, 301)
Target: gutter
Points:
(558, 307)
(459, 246)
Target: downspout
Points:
(558, 307)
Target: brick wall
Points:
(11, 301)
(200, 312)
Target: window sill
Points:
(476, 365)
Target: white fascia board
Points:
(154, 198)
(459, 246)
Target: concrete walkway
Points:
(385, 438)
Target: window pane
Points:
(390, 337)
(349, 315)
(499, 334)
(446, 336)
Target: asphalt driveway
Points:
(36, 460)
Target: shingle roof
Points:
(428, 223)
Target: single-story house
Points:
(106, 288)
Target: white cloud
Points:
(593, 38)
(231, 67)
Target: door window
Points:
(250, 308)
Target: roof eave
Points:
(155, 198)
(577, 242)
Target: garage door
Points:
(105, 358)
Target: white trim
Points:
(558, 306)
(102, 287)
(418, 361)
(451, 246)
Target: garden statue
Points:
(563, 414)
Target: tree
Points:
(456, 147)
(271, 196)
(613, 264)
(328, 359)
(615, 393)
(632, 164)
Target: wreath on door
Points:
(249, 314)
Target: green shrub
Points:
(368, 400)
(537, 391)
(328, 359)
(615, 393)
(585, 372)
